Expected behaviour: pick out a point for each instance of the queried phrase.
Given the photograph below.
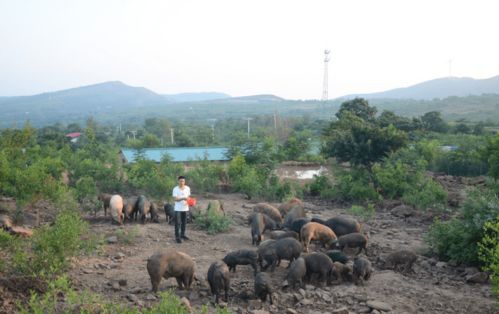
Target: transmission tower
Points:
(325, 85)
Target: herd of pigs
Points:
(290, 231)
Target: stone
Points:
(375, 312)
(297, 296)
(116, 286)
(185, 302)
(341, 310)
(112, 239)
(132, 298)
(151, 297)
(302, 292)
(223, 304)
(441, 264)
(378, 305)
(88, 271)
(254, 304)
(260, 312)
(402, 211)
(309, 287)
(470, 271)
(480, 277)
(364, 309)
(135, 290)
(306, 302)
(290, 311)
(193, 296)
(122, 282)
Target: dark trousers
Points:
(180, 221)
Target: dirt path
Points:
(433, 288)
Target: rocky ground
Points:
(119, 271)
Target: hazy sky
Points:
(244, 47)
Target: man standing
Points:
(180, 194)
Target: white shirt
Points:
(181, 206)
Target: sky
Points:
(244, 47)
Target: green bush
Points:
(213, 222)
(426, 194)
(60, 297)
(366, 213)
(205, 176)
(488, 250)
(127, 236)
(458, 238)
(354, 185)
(85, 188)
(393, 179)
(319, 185)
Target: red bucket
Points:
(191, 201)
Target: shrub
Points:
(319, 185)
(60, 297)
(488, 252)
(458, 238)
(205, 176)
(426, 194)
(53, 245)
(366, 213)
(393, 179)
(127, 236)
(213, 222)
(354, 186)
(85, 187)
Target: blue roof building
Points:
(177, 154)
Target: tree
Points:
(360, 141)
(491, 155)
(358, 107)
(432, 121)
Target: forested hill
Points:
(440, 88)
(116, 102)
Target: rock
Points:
(402, 211)
(21, 231)
(452, 263)
(375, 312)
(186, 303)
(309, 287)
(5, 222)
(135, 290)
(88, 271)
(112, 239)
(302, 292)
(254, 304)
(259, 312)
(116, 286)
(122, 282)
(193, 296)
(470, 271)
(290, 311)
(480, 277)
(441, 264)
(223, 304)
(378, 305)
(151, 297)
(306, 302)
(297, 296)
(364, 309)
(132, 298)
(341, 310)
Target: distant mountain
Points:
(194, 97)
(439, 88)
(264, 98)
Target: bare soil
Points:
(432, 288)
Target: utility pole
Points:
(275, 121)
(171, 135)
(248, 119)
(133, 133)
(325, 83)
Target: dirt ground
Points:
(435, 287)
